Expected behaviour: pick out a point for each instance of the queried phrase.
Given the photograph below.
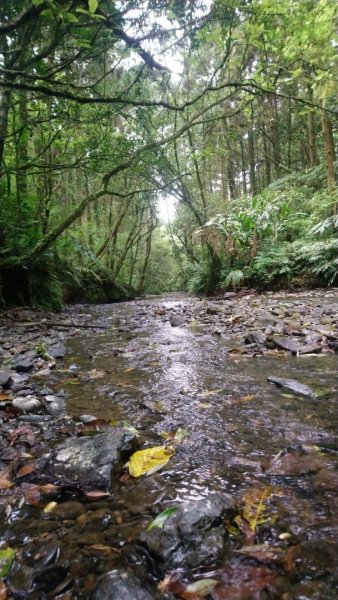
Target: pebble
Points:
(26, 404)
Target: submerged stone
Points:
(193, 535)
(120, 585)
(292, 385)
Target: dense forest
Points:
(226, 107)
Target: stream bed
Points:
(193, 374)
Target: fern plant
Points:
(320, 258)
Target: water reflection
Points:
(160, 377)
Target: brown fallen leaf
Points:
(25, 470)
(263, 553)
(5, 484)
(96, 495)
(3, 591)
(32, 493)
(290, 559)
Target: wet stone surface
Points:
(243, 392)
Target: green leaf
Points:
(92, 5)
(6, 559)
(82, 10)
(71, 18)
(159, 520)
(37, 2)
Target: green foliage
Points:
(320, 259)
(200, 277)
(274, 264)
(233, 278)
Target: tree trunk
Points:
(140, 286)
(329, 150)
(252, 166)
(274, 128)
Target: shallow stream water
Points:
(275, 452)
(159, 378)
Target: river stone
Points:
(6, 378)
(255, 337)
(90, 459)
(176, 321)
(24, 362)
(66, 510)
(194, 535)
(27, 403)
(213, 309)
(54, 404)
(120, 585)
(292, 385)
(57, 350)
(285, 343)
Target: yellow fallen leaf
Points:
(149, 460)
(248, 398)
(49, 507)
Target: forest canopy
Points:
(227, 106)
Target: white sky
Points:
(166, 209)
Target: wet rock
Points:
(24, 362)
(292, 385)
(295, 462)
(57, 350)
(255, 337)
(20, 382)
(193, 535)
(6, 379)
(310, 349)
(96, 519)
(213, 309)
(90, 459)
(66, 511)
(120, 585)
(285, 343)
(50, 578)
(267, 318)
(27, 404)
(329, 309)
(87, 418)
(54, 404)
(176, 321)
(317, 560)
(35, 418)
(42, 373)
(41, 555)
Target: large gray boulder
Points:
(193, 535)
(90, 460)
(120, 585)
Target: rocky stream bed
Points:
(240, 395)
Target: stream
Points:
(163, 365)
